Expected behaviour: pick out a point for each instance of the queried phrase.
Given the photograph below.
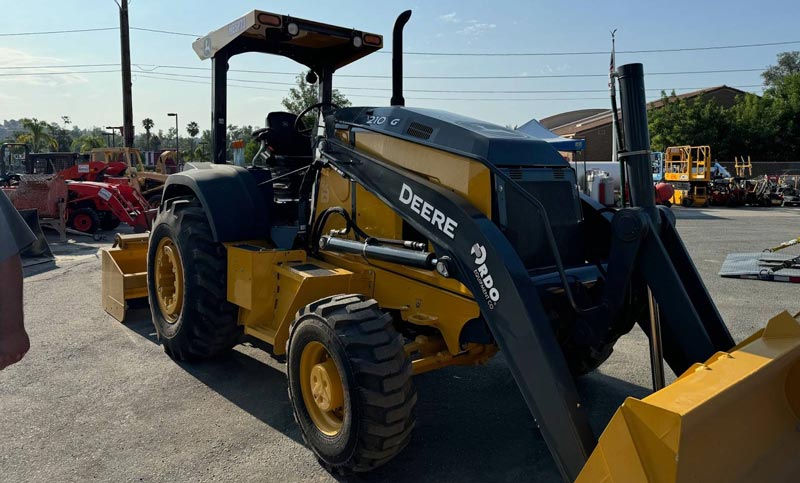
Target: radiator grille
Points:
(524, 225)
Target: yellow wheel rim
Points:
(321, 385)
(169, 280)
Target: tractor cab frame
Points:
(321, 47)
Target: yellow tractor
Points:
(385, 242)
(149, 183)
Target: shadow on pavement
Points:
(249, 383)
(682, 213)
(472, 423)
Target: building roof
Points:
(603, 116)
(568, 117)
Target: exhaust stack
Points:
(397, 59)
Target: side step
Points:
(735, 418)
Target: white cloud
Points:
(475, 28)
(449, 18)
(38, 77)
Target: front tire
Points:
(85, 220)
(350, 383)
(187, 278)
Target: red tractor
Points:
(93, 206)
(97, 195)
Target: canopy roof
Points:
(533, 128)
(313, 44)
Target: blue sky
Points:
(450, 26)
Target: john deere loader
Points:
(385, 242)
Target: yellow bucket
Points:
(735, 418)
(124, 273)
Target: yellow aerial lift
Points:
(688, 169)
(387, 241)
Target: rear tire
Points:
(85, 220)
(203, 323)
(378, 394)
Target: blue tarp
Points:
(533, 128)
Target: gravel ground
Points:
(96, 400)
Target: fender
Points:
(230, 196)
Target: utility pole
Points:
(177, 144)
(127, 96)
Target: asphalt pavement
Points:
(96, 400)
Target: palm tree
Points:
(193, 130)
(38, 135)
(148, 124)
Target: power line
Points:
(100, 29)
(155, 67)
(452, 54)
(170, 32)
(156, 76)
(383, 89)
(61, 66)
(50, 32)
(597, 52)
(58, 73)
(447, 91)
(452, 77)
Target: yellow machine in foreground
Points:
(688, 169)
(388, 241)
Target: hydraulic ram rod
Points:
(403, 256)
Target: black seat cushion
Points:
(282, 138)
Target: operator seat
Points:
(282, 138)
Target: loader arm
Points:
(509, 302)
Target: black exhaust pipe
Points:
(397, 59)
(637, 138)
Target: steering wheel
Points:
(306, 131)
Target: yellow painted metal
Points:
(422, 297)
(443, 304)
(168, 279)
(322, 388)
(743, 168)
(429, 353)
(735, 418)
(687, 163)
(695, 196)
(467, 177)
(124, 273)
(271, 285)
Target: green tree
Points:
(38, 136)
(147, 124)
(87, 142)
(698, 121)
(788, 64)
(306, 94)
